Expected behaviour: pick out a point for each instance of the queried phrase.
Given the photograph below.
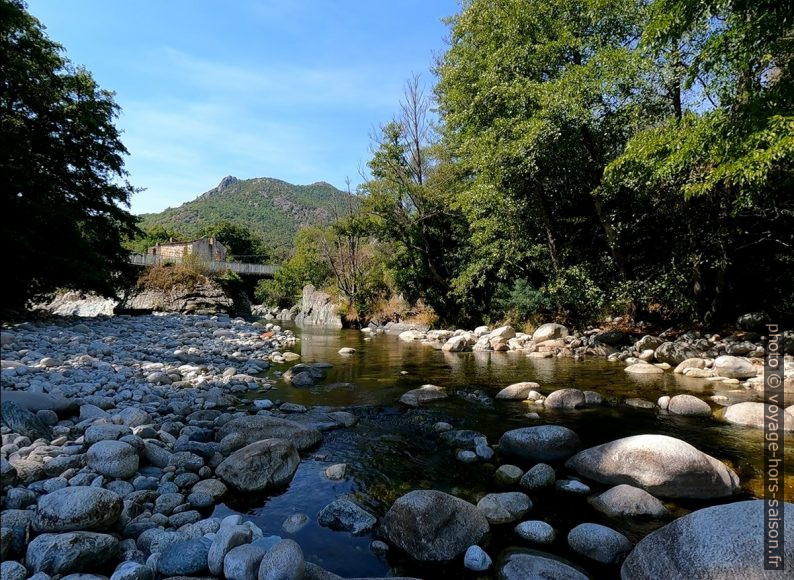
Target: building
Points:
(207, 249)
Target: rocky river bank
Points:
(121, 435)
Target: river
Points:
(393, 450)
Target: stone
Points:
(540, 443)
(77, 508)
(96, 433)
(539, 476)
(347, 350)
(8, 474)
(295, 523)
(424, 394)
(134, 417)
(734, 367)
(724, 541)
(242, 562)
(184, 558)
(317, 308)
(565, 399)
(11, 570)
(674, 353)
(39, 401)
(215, 488)
(70, 552)
(549, 331)
(344, 515)
(336, 472)
(661, 465)
(132, 571)
(517, 391)
(508, 474)
(571, 486)
(253, 428)
(688, 405)
(523, 566)
(476, 560)
(16, 525)
(752, 414)
(536, 531)
(259, 466)
(643, 369)
(461, 438)
(225, 539)
(663, 402)
(458, 343)
(284, 561)
(503, 508)
(20, 420)
(690, 363)
(114, 459)
(628, 501)
(434, 526)
(598, 543)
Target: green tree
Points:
(62, 177)
(242, 244)
(152, 236)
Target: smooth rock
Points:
(549, 331)
(242, 562)
(734, 367)
(345, 515)
(537, 565)
(476, 560)
(540, 443)
(77, 508)
(508, 474)
(503, 508)
(255, 428)
(628, 501)
(284, 561)
(661, 465)
(689, 405)
(132, 571)
(431, 525)
(517, 391)
(753, 414)
(114, 459)
(598, 543)
(539, 476)
(565, 399)
(724, 541)
(262, 465)
(225, 539)
(70, 552)
(536, 531)
(185, 558)
(424, 394)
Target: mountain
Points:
(270, 208)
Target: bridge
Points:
(261, 270)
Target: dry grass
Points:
(189, 273)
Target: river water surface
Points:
(392, 450)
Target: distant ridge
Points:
(269, 207)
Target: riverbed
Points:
(393, 450)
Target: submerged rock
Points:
(424, 394)
(434, 526)
(345, 515)
(725, 541)
(662, 465)
(517, 391)
(540, 443)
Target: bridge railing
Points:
(213, 266)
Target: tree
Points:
(62, 178)
(241, 243)
(409, 197)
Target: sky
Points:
(291, 89)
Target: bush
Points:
(188, 273)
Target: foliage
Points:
(62, 177)
(270, 209)
(187, 273)
(241, 244)
(152, 236)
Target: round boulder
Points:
(114, 459)
(598, 543)
(77, 508)
(688, 405)
(434, 526)
(753, 414)
(503, 508)
(524, 565)
(549, 331)
(628, 501)
(565, 399)
(662, 465)
(724, 541)
(424, 394)
(540, 443)
(734, 367)
(517, 391)
(261, 465)
(70, 552)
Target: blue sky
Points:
(290, 89)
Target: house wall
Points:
(208, 248)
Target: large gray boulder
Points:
(549, 331)
(318, 308)
(753, 414)
(434, 526)
(20, 420)
(734, 367)
(70, 552)
(262, 465)
(284, 561)
(77, 508)
(185, 558)
(540, 443)
(528, 564)
(565, 399)
(661, 465)
(255, 428)
(724, 541)
(114, 459)
(39, 401)
(674, 353)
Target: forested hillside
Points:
(270, 209)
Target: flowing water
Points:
(392, 450)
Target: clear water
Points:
(393, 450)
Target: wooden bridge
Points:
(242, 268)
